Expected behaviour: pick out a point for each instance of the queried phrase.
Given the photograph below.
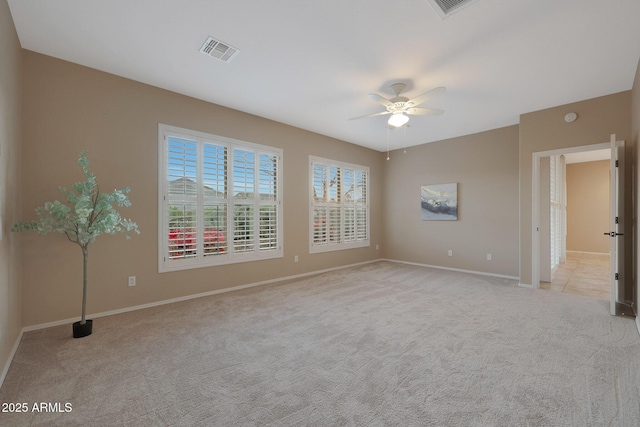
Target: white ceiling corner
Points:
(311, 64)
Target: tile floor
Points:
(584, 274)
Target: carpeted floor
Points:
(382, 344)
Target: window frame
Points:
(230, 255)
(340, 206)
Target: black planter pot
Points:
(80, 330)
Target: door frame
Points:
(535, 214)
(616, 209)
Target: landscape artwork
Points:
(439, 202)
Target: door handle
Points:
(613, 234)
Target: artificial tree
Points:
(87, 214)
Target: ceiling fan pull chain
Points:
(387, 142)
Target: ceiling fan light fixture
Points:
(398, 120)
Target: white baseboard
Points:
(590, 253)
(219, 291)
(482, 273)
(10, 358)
(188, 297)
(158, 303)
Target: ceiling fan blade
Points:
(424, 111)
(371, 115)
(380, 99)
(423, 97)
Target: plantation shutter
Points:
(219, 200)
(557, 210)
(339, 206)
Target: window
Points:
(339, 214)
(219, 200)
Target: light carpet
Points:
(382, 344)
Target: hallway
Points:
(585, 274)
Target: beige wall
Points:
(588, 206)
(545, 130)
(485, 166)
(10, 95)
(69, 108)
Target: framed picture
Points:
(439, 202)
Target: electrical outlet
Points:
(295, 258)
(132, 280)
(377, 247)
(450, 252)
(489, 257)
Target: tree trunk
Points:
(85, 257)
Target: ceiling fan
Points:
(400, 106)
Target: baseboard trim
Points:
(5, 370)
(7, 365)
(481, 273)
(188, 297)
(589, 253)
(220, 291)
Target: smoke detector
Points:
(219, 50)
(446, 8)
(570, 117)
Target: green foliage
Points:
(87, 213)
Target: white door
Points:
(616, 221)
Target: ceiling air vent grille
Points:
(218, 50)
(446, 8)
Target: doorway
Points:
(616, 206)
(574, 212)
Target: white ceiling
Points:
(311, 63)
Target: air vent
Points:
(218, 49)
(446, 8)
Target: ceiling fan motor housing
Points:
(398, 88)
(399, 103)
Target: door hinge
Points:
(617, 164)
(616, 220)
(616, 276)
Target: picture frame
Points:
(439, 202)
